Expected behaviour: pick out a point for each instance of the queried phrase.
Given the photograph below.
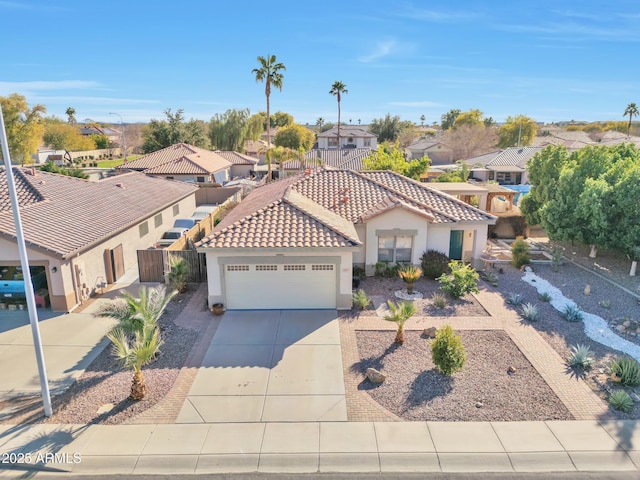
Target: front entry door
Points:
(455, 244)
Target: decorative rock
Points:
(478, 404)
(587, 290)
(626, 323)
(527, 268)
(375, 376)
(430, 332)
(107, 407)
(403, 295)
(634, 396)
(638, 330)
(621, 328)
(511, 370)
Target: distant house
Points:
(431, 147)
(242, 166)
(506, 167)
(350, 137)
(83, 235)
(346, 159)
(183, 162)
(615, 138)
(112, 134)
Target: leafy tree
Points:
(448, 119)
(447, 351)
(100, 141)
(71, 114)
(281, 119)
(461, 280)
(228, 131)
(386, 160)
(489, 122)
(23, 125)
(422, 119)
(632, 111)
(60, 135)
(471, 117)
(519, 128)
(469, 140)
(338, 89)
(160, 134)
(416, 168)
(389, 128)
(400, 313)
(295, 137)
(269, 72)
(327, 126)
(459, 174)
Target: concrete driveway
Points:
(270, 366)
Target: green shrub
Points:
(361, 300)
(439, 300)
(447, 351)
(434, 264)
(530, 312)
(179, 273)
(604, 303)
(520, 253)
(462, 280)
(385, 269)
(620, 400)
(581, 357)
(572, 313)
(627, 370)
(545, 297)
(514, 298)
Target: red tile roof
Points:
(171, 160)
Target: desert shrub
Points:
(627, 370)
(520, 253)
(572, 313)
(545, 297)
(447, 351)
(530, 312)
(361, 300)
(581, 357)
(515, 298)
(604, 303)
(386, 270)
(439, 300)
(462, 280)
(434, 264)
(620, 400)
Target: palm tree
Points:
(422, 119)
(71, 113)
(136, 352)
(632, 111)
(337, 89)
(179, 273)
(319, 123)
(410, 275)
(270, 72)
(400, 313)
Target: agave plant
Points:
(515, 298)
(409, 274)
(581, 357)
(530, 312)
(400, 313)
(572, 313)
(620, 400)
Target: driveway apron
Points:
(270, 366)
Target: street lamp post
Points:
(124, 144)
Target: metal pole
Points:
(28, 286)
(124, 143)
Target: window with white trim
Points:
(394, 249)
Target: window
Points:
(176, 209)
(200, 179)
(157, 220)
(394, 249)
(143, 228)
(367, 142)
(237, 268)
(317, 268)
(266, 268)
(333, 142)
(292, 268)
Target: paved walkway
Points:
(326, 447)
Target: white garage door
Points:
(250, 287)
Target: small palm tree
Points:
(337, 89)
(269, 72)
(400, 313)
(319, 123)
(409, 274)
(136, 352)
(179, 273)
(632, 111)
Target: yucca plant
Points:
(620, 400)
(581, 357)
(360, 299)
(530, 312)
(178, 273)
(625, 370)
(439, 300)
(409, 274)
(400, 313)
(572, 313)
(545, 297)
(515, 298)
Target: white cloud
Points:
(93, 100)
(382, 49)
(45, 85)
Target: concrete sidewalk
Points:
(553, 446)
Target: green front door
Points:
(455, 245)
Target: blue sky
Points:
(550, 59)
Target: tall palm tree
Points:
(319, 123)
(400, 313)
(632, 111)
(337, 89)
(71, 113)
(269, 72)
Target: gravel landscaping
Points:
(483, 391)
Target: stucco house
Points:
(506, 167)
(348, 159)
(82, 235)
(431, 147)
(242, 166)
(183, 162)
(350, 137)
(293, 243)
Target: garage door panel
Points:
(285, 286)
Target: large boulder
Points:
(375, 376)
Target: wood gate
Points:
(151, 265)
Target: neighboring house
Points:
(347, 159)
(82, 235)
(114, 136)
(293, 243)
(350, 137)
(431, 147)
(183, 162)
(553, 135)
(507, 167)
(615, 138)
(242, 166)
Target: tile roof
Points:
(66, 215)
(347, 131)
(347, 158)
(206, 161)
(509, 157)
(323, 206)
(237, 158)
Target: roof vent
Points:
(120, 185)
(520, 150)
